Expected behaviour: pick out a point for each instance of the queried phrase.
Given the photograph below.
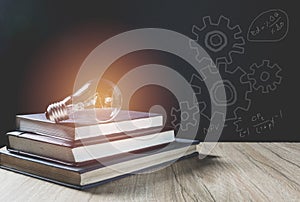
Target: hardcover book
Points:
(95, 173)
(70, 129)
(80, 151)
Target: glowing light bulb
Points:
(100, 102)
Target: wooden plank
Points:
(241, 172)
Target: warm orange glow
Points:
(56, 63)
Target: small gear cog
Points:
(265, 76)
(220, 39)
(235, 99)
(187, 116)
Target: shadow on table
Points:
(158, 178)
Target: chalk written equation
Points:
(271, 25)
(258, 124)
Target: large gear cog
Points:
(187, 116)
(235, 99)
(219, 39)
(265, 76)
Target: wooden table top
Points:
(240, 172)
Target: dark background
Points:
(42, 45)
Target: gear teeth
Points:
(222, 66)
(202, 106)
(238, 49)
(192, 123)
(174, 124)
(197, 89)
(195, 109)
(239, 42)
(253, 67)
(206, 22)
(244, 78)
(278, 81)
(174, 114)
(237, 30)
(194, 47)
(239, 72)
(229, 58)
(206, 72)
(266, 63)
(174, 110)
(223, 60)
(272, 87)
(224, 21)
(193, 44)
(196, 30)
(184, 105)
(203, 61)
(220, 61)
(265, 89)
(207, 62)
(277, 68)
(256, 86)
(195, 79)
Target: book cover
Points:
(70, 129)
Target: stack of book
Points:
(82, 156)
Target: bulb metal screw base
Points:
(57, 111)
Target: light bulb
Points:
(100, 101)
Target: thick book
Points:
(95, 173)
(80, 151)
(70, 129)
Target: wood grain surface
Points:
(238, 172)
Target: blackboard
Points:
(253, 43)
